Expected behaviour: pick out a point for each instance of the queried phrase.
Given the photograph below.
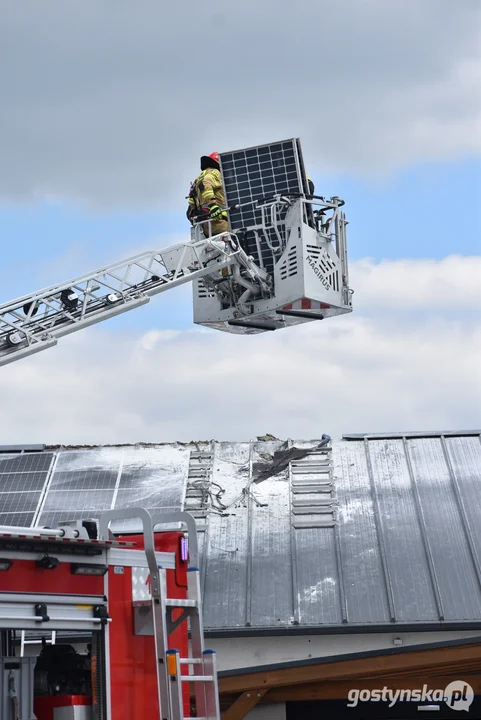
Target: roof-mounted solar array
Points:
(256, 174)
(85, 483)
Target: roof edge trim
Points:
(351, 629)
(412, 434)
(350, 656)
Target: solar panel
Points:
(157, 484)
(258, 173)
(161, 486)
(22, 481)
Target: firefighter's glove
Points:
(216, 213)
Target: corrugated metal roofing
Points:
(370, 532)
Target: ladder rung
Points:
(323, 485)
(305, 524)
(310, 470)
(311, 459)
(312, 482)
(191, 661)
(313, 510)
(311, 488)
(174, 602)
(317, 502)
(197, 678)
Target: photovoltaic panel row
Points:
(258, 173)
(88, 482)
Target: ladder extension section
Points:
(35, 322)
(202, 663)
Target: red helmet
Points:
(210, 161)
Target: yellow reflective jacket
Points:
(208, 190)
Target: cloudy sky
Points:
(106, 107)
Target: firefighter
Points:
(207, 196)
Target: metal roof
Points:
(369, 533)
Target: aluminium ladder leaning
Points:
(169, 662)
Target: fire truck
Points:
(134, 599)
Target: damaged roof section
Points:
(282, 458)
(370, 532)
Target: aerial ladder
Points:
(36, 322)
(283, 262)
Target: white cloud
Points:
(369, 371)
(110, 102)
(452, 282)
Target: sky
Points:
(106, 108)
